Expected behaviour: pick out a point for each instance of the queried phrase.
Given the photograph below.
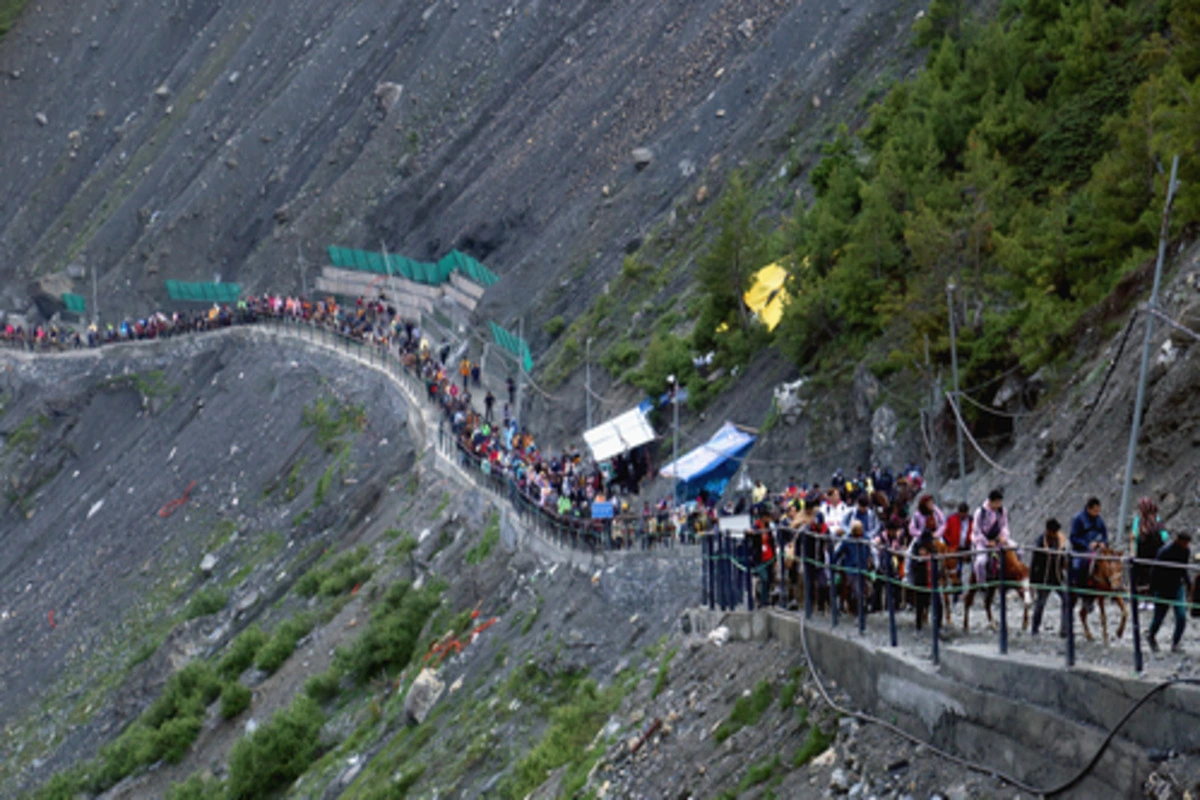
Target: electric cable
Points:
(975, 444)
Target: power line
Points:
(967, 432)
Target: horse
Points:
(1015, 572)
(1107, 576)
(949, 576)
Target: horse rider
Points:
(991, 533)
(1088, 535)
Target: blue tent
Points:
(710, 466)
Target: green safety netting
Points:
(74, 302)
(513, 344)
(431, 274)
(203, 292)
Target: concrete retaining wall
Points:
(1038, 722)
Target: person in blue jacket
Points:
(853, 555)
(1088, 534)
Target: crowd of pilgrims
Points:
(372, 321)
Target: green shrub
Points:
(391, 636)
(621, 356)
(197, 788)
(277, 753)
(241, 653)
(235, 698)
(324, 687)
(555, 326)
(346, 572)
(283, 642)
(208, 600)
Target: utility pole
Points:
(588, 381)
(95, 298)
(1139, 401)
(962, 461)
(303, 277)
(673, 385)
(520, 370)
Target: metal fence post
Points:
(1138, 663)
(891, 594)
(1003, 608)
(808, 571)
(862, 601)
(833, 597)
(1069, 599)
(748, 571)
(935, 609)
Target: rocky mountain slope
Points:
(190, 140)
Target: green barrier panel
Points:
(430, 274)
(203, 292)
(75, 303)
(513, 344)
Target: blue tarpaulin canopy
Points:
(710, 466)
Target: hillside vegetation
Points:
(1026, 164)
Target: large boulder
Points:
(788, 403)
(423, 696)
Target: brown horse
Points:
(1016, 573)
(1107, 576)
(949, 577)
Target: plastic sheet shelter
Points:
(710, 466)
(767, 297)
(619, 435)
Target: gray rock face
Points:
(884, 425)
(423, 696)
(866, 392)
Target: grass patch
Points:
(24, 437)
(566, 742)
(787, 696)
(815, 743)
(527, 625)
(283, 642)
(277, 753)
(660, 682)
(331, 421)
(491, 537)
(9, 11)
(746, 711)
(208, 600)
(760, 773)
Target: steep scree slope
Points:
(183, 140)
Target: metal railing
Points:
(622, 532)
(735, 574)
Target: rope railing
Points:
(734, 574)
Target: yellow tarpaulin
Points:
(766, 296)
